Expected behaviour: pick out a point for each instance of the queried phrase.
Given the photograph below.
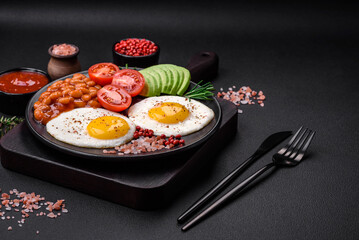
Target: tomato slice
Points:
(131, 80)
(102, 73)
(114, 98)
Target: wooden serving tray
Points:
(138, 186)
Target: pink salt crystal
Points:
(51, 215)
(63, 49)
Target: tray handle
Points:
(203, 66)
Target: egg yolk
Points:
(169, 113)
(108, 127)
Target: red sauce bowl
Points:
(17, 86)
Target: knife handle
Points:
(203, 66)
(227, 197)
(215, 190)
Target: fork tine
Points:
(305, 147)
(299, 147)
(284, 149)
(294, 145)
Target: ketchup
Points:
(22, 82)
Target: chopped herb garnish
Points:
(201, 92)
(6, 124)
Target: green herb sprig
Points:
(201, 92)
(6, 124)
(127, 67)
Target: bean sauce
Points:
(65, 95)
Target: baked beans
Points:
(65, 95)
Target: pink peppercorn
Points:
(136, 47)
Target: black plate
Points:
(192, 140)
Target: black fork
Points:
(288, 156)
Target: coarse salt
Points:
(245, 95)
(30, 203)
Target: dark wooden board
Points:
(142, 186)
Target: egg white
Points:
(200, 115)
(71, 127)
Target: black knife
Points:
(268, 144)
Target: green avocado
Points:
(168, 78)
(158, 79)
(165, 78)
(165, 84)
(181, 77)
(145, 89)
(186, 80)
(176, 83)
(152, 87)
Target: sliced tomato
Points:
(102, 73)
(114, 98)
(131, 80)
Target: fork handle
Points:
(216, 189)
(226, 197)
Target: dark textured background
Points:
(303, 56)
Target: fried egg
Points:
(171, 115)
(91, 128)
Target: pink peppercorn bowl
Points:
(135, 61)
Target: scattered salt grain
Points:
(245, 95)
(29, 203)
(51, 215)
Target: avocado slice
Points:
(163, 76)
(171, 79)
(152, 88)
(145, 90)
(186, 80)
(181, 79)
(168, 78)
(158, 79)
(176, 83)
